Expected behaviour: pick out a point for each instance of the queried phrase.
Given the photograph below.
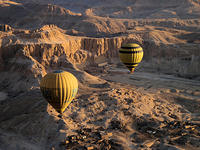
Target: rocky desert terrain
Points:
(157, 107)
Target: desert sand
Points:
(157, 107)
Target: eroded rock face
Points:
(32, 53)
(131, 109)
(55, 48)
(49, 45)
(99, 19)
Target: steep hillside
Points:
(100, 19)
(50, 46)
(157, 107)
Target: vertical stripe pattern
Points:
(59, 89)
(131, 55)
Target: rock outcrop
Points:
(49, 46)
(100, 20)
(150, 109)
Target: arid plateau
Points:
(157, 107)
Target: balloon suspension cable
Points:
(131, 71)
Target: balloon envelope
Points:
(131, 55)
(59, 88)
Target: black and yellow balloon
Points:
(131, 55)
(59, 89)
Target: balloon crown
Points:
(58, 71)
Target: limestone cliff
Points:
(113, 109)
(32, 53)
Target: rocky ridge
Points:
(150, 109)
(49, 46)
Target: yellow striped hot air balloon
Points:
(131, 55)
(59, 88)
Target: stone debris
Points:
(102, 64)
(114, 109)
(88, 139)
(177, 132)
(90, 147)
(180, 133)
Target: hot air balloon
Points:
(59, 88)
(131, 55)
